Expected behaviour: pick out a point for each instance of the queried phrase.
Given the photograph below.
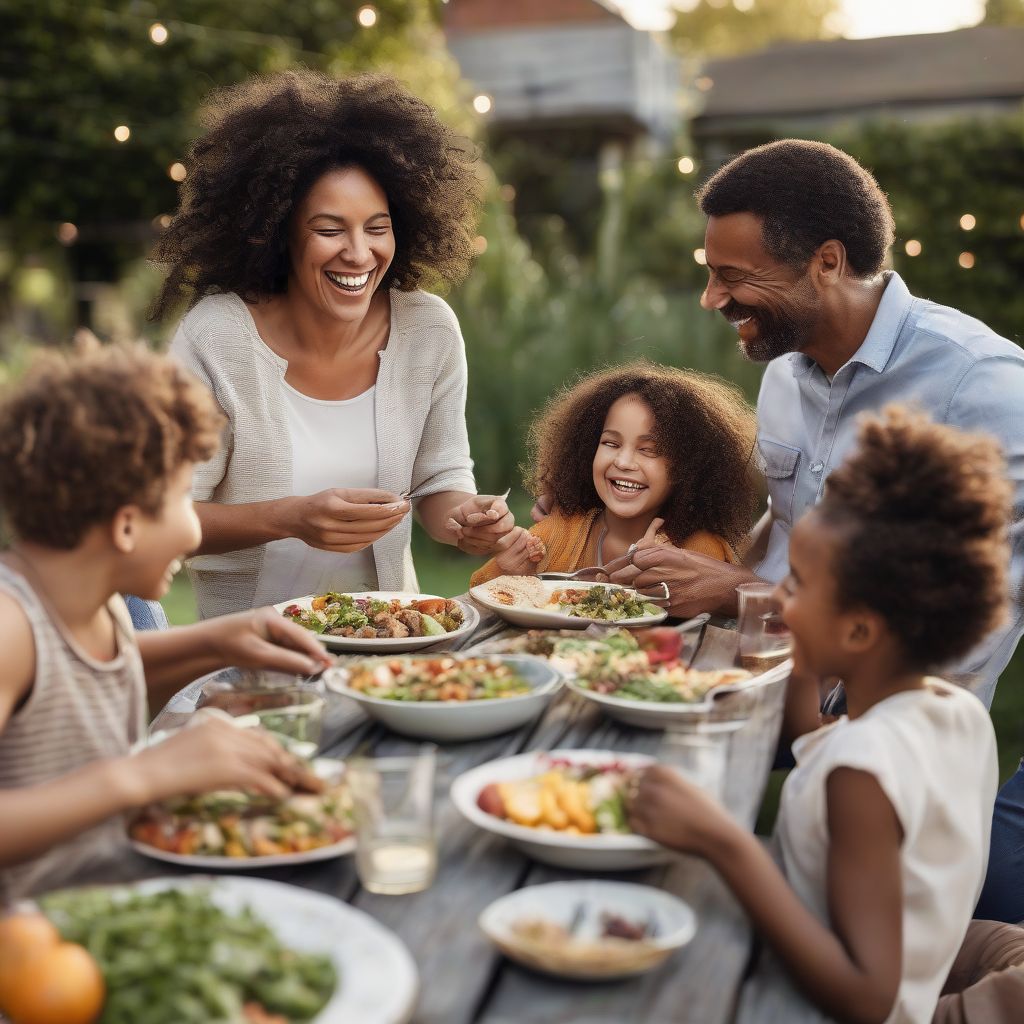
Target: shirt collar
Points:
(877, 346)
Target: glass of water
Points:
(699, 756)
(394, 816)
(764, 639)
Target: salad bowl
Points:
(417, 707)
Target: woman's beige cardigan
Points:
(420, 419)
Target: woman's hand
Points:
(665, 807)
(342, 518)
(211, 755)
(479, 523)
(520, 553)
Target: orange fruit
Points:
(22, 936)
(59, 985)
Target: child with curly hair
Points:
(636, 453)
(883, 826)
(96, 457)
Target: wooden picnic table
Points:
(463, 978)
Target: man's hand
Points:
(479, 523)
(696, 583)
(343, 518)
(520, 553)
(262, 638)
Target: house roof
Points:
(843, 74)
(487, 15)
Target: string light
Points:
(966, 260)
(686, 165)
(479, 245)
(177, 171)
(67, 233)
(158, 33)
(913, 247)
(367, 16)
(163, 221)
(967, 221)
(743, 5)
(508, 193)
(704, 83)
(699, 256)
(122, 133)
(482, 104)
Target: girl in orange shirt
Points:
(633, 452)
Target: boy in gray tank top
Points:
(96, 456)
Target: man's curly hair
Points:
(83, 436)
(805, 194)
(703, 427)
(269, 139)
(922, 511)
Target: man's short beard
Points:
(778, 332)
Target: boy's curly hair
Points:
(269, 139)
(82, 436)
(703, 427)
(922, 511)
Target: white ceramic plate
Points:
(718, 715)
(389, 645)
(582, 903)
(584, 853)
(377, 977)
(460, 719)
(539, 618)
(324, 766)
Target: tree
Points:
(723, 28)
(97, 101)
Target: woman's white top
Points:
(933, 752)
(334, 444)
(419, 418)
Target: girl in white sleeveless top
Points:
(883, 827)
(96, 458)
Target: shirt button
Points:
(817, 467)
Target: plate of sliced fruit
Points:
(562, 807)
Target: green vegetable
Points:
(431, 627)
(172, 957)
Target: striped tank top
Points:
(78, 710)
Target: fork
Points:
(410, 495)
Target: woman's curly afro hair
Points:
(268, 140)
(702, 426)
(921, 511)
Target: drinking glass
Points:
(699, 756)
(394, 808)
(286, 704)
(764, 639)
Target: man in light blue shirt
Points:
(796, 242)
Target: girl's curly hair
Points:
(268, 140)
(83, 436)
(702, 426)
(922, 511)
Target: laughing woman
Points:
(312, 211)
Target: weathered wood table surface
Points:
(463, 978)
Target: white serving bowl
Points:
(724, 714)
(388, 645)
(564, 850)
(459, 719)
(582, 903)
(540, 618)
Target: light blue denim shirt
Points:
(949, 365)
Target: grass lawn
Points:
(446, 572)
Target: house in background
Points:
(811, 88)
(565, 65)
